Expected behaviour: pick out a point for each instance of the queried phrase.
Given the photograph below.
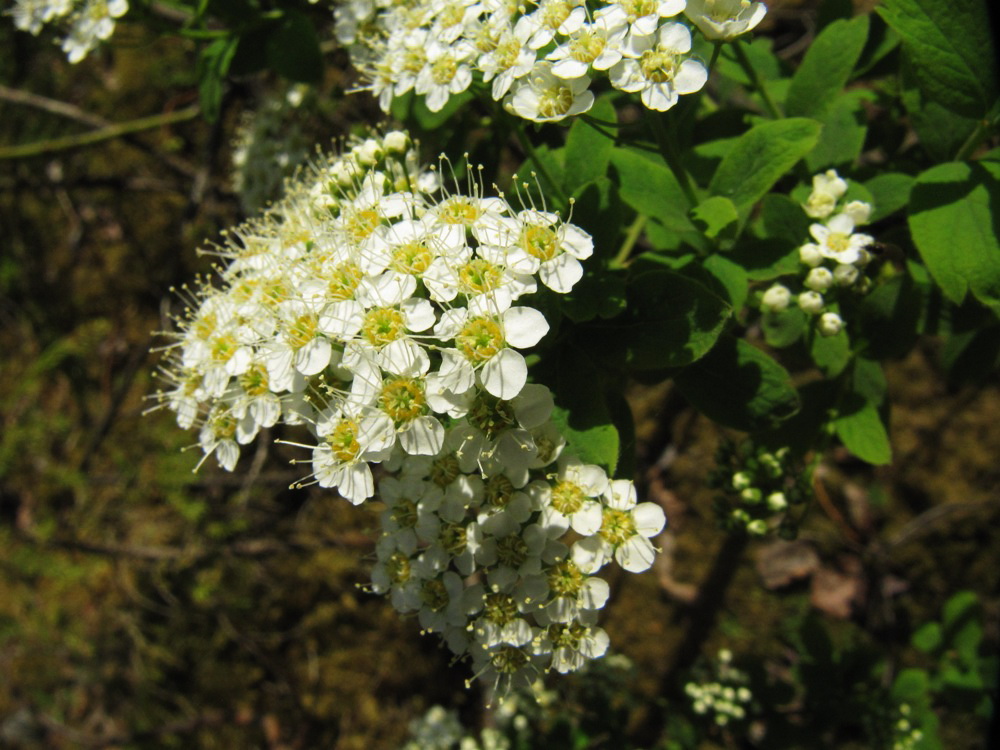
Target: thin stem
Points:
(755, 80)
(716, 51)
(631, 236)
(529, 150)
(668, 149)
(39, 148)
(983, 129)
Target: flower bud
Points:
(830, 324)
(751, 495)
(396, 142)
(811, 302)
(819, 279)
(776, 501)
(757, 527)
(370, 153)
(776, 299)
(845, 274)
(810, 254)
(741, 480)
(859, 211)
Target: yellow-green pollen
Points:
(412, 258)
(397, 567)
(459, 210)
(452, 538)
(360, 224)
(444, 69)
(445, 470)
(344, 281)
(343, 441)
(508, 660)
(512, 551)
(617, 526)
(500, 609)
(838, 241)
(254, 380)
(586, 47)
(658, 65)
(565, 578)
(434, 594)
(403, 399)
(479, 275)
(224, 347)
(499, 490)
(224, 426)
(491, 415)
(568, 497)
(302, 331)
(404, 513)
(540, 242)
(382, 325)
(566, 635)
(555, 101)
(480, 340)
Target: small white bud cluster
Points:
(538, 57)
(377, 310)
(726, 699)
(834, 260)
(905, 735)
(758, 489)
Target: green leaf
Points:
(844, 131)
(213, 65)
(760, 158)
(581, 414)
(739, 386)
(889, 317)
(598, 294)
(783, 217)
(292, 48)
(671, 321)
(953, 221)
(428, 120)
(731, 277)
(864, 435)
(784, 328)
(716, 218)
(928, 638)
(598, 210)
(648, 186)
(831, 354)
(890, 193)
(948, 49)
(972, 356)
(826, 68)
(588, 150)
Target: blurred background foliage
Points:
(146, 606)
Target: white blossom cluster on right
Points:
(88, 23)
(383, 312)
(835, 258)
(538, 57)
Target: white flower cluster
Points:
(724, 699)
(90, 22)
(379, 311)
(906, 736)
(537, 56)
(440, 729)
(835, 258)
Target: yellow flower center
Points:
(403, 399)
(397, 567)
(499, 490)
(480, 340)
(459, 210)
(254, 381)
(360, 224)
(555, 101)
(539, 242)
(382, 325)
(344, 280)
(302, 331)
(508, 660)
(412, 258)
(479, 276)
(512, 551)
(658, 65)
(452, 538)
(343, 441)
(617, 526)
(224, 347)
(444, 69)
(435, 595)
(444, 471)
(838, 241)
(565, 578)
(568, 497)
(404, 513)
(586, 47)
(500, 609)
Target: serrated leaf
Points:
(739, 386)
(826, 68)
(948, 48)
(588, 150)
(761, 157)
(716, 217)
(953, 209)
(864, 435)
(671, 321)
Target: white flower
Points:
(654, 66)
(811, 302)
(542, 96)
(626, 527)
(598, 45)
(445, 73)
(837, 241)
(724, 19)
(643, 16)
(819, 279)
